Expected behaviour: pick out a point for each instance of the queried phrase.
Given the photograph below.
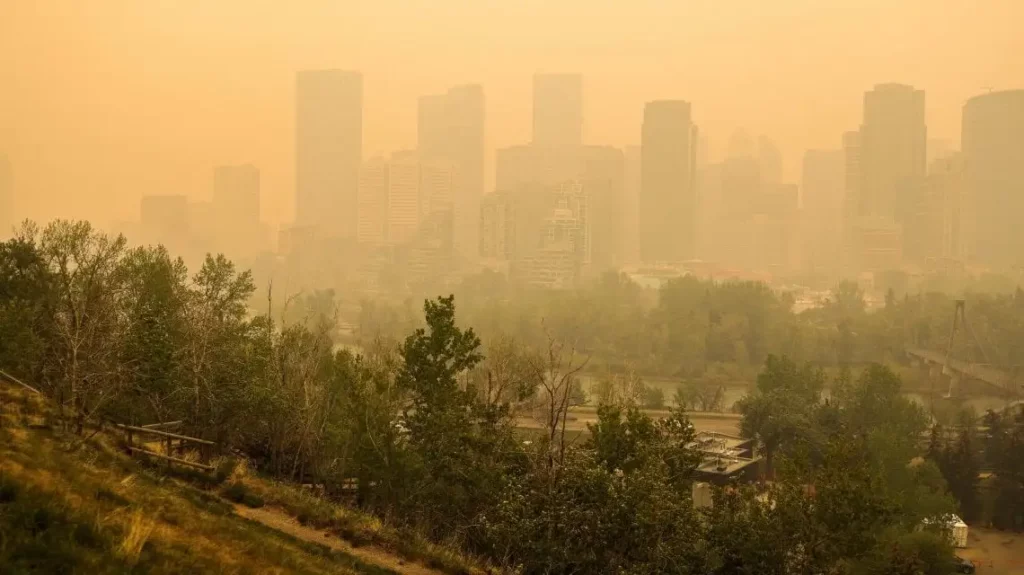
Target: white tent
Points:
(958, 532)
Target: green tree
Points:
(1004, 449)
(781, 411)
(958, 457)
(27, 299)
(88, 282)
(461, 454)
(219, 372)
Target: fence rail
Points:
(169, 458)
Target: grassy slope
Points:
(73, 507)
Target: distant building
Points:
(8, 219)
(497, 226)
(631, 206)
(933, 236)
(667, 195)
(553, 236)
(451, 133)
(558, 110)
(328, 146)
(876, 244)
(851, 192)
(396, 197)
(667, 186)
(599, 170)
(544, 232)
(892, 150)
(603, 181)
(993, 151)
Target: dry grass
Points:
(360, 528)
(140, 526)
(94, 510)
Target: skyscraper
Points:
(667, 190)
(631, 205)
(603, 178)
(396, 197)
(893, 138)
(451, 131)
(7, 217)
(329, 143)
(557, 110)
(993, 149)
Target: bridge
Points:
(1005, 382)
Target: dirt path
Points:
(281, 521)
(995, 552)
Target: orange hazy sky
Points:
(102, 101)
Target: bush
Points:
(239, 493)
(654, 398)
(225, 469)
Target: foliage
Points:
(423, 432)
(958, 456)
(1004, 448)
(780, 412)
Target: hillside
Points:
(78, 505)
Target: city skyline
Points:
(218, 87)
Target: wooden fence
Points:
(172, 443)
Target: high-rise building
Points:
(451, 132)
(497, 226)
(823, 185)
(851, 178)
(933, 235)
(373, 202)
(873, 240)
(892, 139)
(993, 149)
(631, 205)
(667, 190)
(328, 146)
(558, 110)
(398, 195)
(602, 178)
(599, 170)
(550, 232)
(7, 217)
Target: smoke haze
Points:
(104, 102)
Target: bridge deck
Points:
(983, 373)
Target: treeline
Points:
(692, 328)
(426, 427)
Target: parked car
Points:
(964, 565)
